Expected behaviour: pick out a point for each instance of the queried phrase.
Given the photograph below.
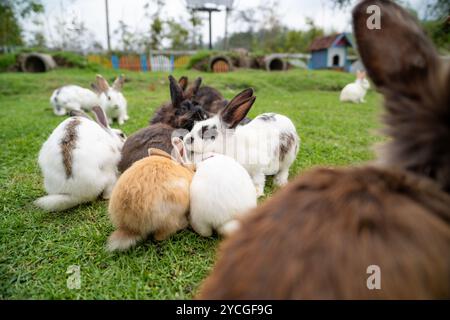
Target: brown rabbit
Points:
(319, 237)
(180, 114)
(155, 136)
(152, 197)
(211, 99)
(182, 111)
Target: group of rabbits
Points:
(192, 164)
(317, 237)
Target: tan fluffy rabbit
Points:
(151, 197)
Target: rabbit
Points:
(268, 145)
(181, 111)
(136, 147)
(221, 192)
(74, 97)
(211, 99)
(179, 115)
(330, 232)
(151, 197)
(356, 91)
(79, 161)
(112, 99)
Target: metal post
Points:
(108, 37)
(210, 30)
(225, 42)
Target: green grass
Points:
(36, 248)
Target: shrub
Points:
(7, 62)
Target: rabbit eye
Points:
(204, 129)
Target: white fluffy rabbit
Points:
(268, 145)
(111, 99)
(356, 91)
(221, 191)
(79, 161)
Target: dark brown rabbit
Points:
(156, 136)
(179, 114)
(318, 237)
(182, 111)
(211, 99)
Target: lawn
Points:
(37, 248)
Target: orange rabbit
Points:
(151, 197)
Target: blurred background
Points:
(166, 34)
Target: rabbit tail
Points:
(122, 239)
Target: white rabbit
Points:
(356, 91)
(267, 145)
(79, 161)
(111, 99)
(221, 191)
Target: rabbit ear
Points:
(101, 83)
(237, 108)
(118, 83)
(176, 94)
(100, 117)
(398, 56)
(403, 63)
(96, 88)
(192, 91)
(183, 82)
(179, 150)
(79, 113)
(158, 152)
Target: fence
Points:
(155, 61)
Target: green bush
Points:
(7, 61)
(199, 57)
(73, 60)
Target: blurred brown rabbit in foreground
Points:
(316, 238)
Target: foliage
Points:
(200, 57)
(156, 26)
(10, 13)
(278, 39)
(10, 31)
(178, 35)
(73, 60)
(126, 37)
(7, 61)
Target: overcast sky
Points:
(292, 13)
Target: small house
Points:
(330, 52)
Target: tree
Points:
(126, 37)
(156, 25)
(10, 14)
(10, 31)
(437, 23)
(178, 35)
(195, 22)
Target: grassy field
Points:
(36, 248)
